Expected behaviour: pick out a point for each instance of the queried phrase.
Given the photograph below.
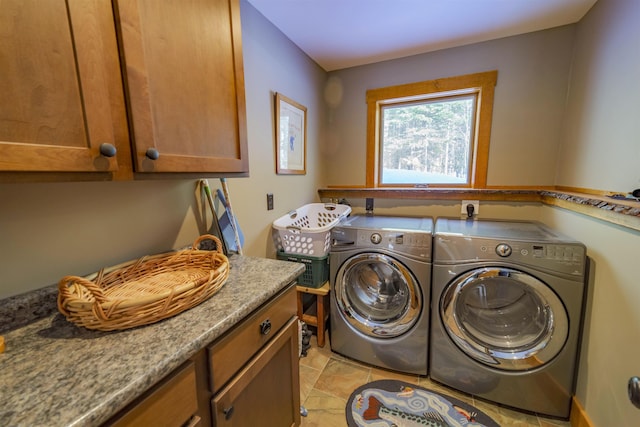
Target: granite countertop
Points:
(54, 373)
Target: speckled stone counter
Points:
(54, 373)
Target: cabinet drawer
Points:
(252, 398)
(232, 351)
(173, 402)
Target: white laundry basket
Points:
(307, 230)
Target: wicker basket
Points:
(144, 291)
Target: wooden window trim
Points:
(482, 83)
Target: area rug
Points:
(397, 403)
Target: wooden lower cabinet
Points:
(248, 377)
(266, 392)
(173, 402)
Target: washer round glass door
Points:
(504, 318)
(378, 295)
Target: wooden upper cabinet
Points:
(61, 88)
(182, 62)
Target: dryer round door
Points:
(504, 318)
(378, 295)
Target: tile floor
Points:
(327, 380)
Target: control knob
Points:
(376, 238)
(503, 250)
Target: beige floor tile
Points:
(316, 358)
(324, 410)
(550, 422)
(337, 356)
(446, 391)
(383, 374)
(308, 378)
(339, 378)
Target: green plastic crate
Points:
(316, 268)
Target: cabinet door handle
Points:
(152, 153)
(265, 327)
(107, 150)
(228, 412)
(193, 421)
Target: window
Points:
(434, 133)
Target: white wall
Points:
(610, 351)
(530, 97)
(48, 230)
(601, 150)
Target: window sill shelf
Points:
(625, 213)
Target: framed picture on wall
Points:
(291, 137)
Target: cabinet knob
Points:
(228, 412)
(633, 387)
(152, 153)
(107, 150)
(265, 327)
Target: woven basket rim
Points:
(83, 300)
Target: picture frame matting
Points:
(291, 136)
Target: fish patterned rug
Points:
(397, 403)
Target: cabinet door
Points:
(59, 85)
(185, 84)
(267, 391)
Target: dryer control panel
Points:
(414, 244)
(568, 258)
(407, 243)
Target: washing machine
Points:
(379, 274)
(507, 308)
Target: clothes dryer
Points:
(507, 307)
(380, 271)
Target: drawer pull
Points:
(265, 327)
(228, 412)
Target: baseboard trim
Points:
(578, 417)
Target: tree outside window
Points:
(427, 142)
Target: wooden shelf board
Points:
(595, 204)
